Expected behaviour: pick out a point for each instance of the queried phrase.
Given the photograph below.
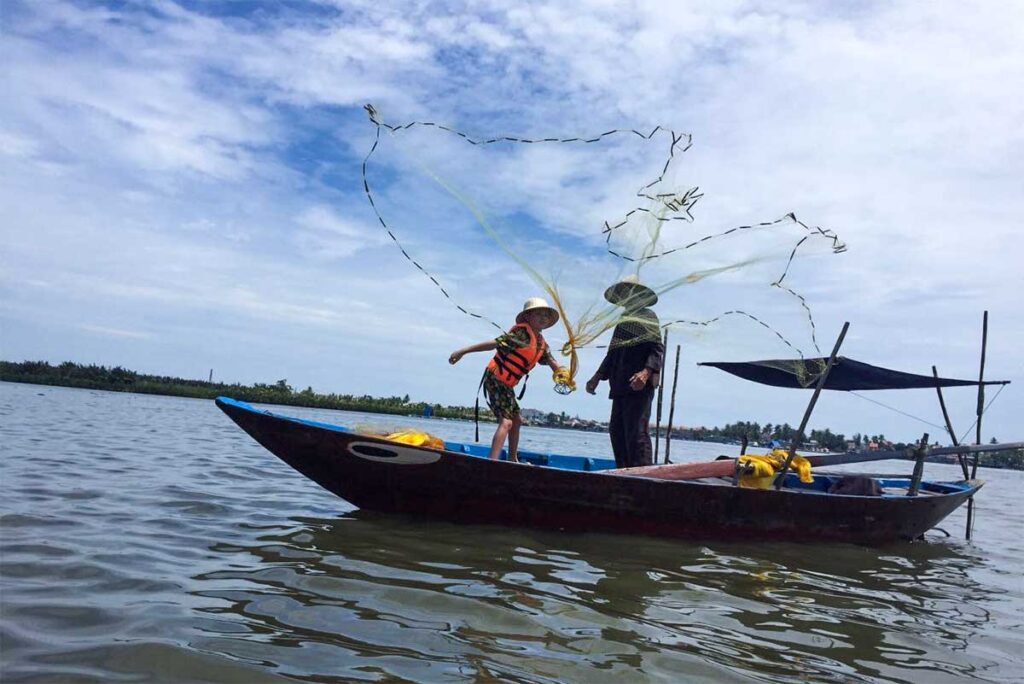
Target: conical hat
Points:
(629, 291)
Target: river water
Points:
(148, 538)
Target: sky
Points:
(182, 191)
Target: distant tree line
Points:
(762, 434)
(119, 379)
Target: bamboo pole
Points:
(661, 392)
(981, 391)
(798, 440)
(672, 407)
(949, 425)
(724, 467)
(979, 412)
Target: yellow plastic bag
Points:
(415, 438)
(762, 475)
(766, 466)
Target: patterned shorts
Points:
(500, 397)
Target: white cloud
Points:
(17, 145)
(116, 332)
(326, 236)
(201, 172)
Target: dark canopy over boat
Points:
(846, 375)
(551, 491)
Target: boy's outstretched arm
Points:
(483, 346)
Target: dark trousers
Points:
(628, 428)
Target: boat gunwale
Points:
(955, 487)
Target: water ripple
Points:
(146, 538)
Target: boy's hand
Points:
(454, 358)
(592, 384)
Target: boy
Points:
(518, 351)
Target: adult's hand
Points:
(454, 358)
(639, 380)
(592, 385)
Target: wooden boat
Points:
(459, 483)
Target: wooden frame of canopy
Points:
(860, 376)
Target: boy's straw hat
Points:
(539, 304)
(629, 291)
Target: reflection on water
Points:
(146, 537)
(423, 600)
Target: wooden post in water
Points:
(919, 454)
(672, 406)
(661, 392)
(798, 440)
(980, 411)
(949, 425)
(981, 392)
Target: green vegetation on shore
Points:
(118, 379)
(69, 374)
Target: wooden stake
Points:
(798, 440)
(672, 406)
(981, 390)
(949, 425)
(980, 410)
(661, 391)
(919, 454)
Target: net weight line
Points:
(680, 204)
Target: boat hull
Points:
(375, 474)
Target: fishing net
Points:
(540, 208)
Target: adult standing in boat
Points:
(517, 352)
(632, 368)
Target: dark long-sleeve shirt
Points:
(636, 344)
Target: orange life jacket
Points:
(510, 366)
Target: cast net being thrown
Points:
(540, 206)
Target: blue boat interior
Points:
(822, 482)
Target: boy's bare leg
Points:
(504, 425)
(513, 439)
